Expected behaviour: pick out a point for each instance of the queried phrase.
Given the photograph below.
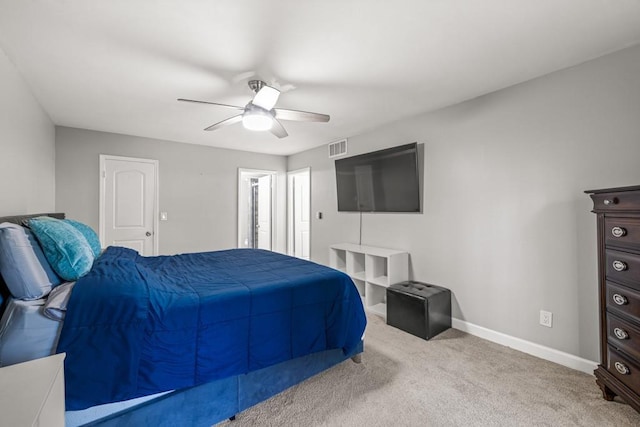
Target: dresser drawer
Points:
(622, 233)
(623, 201)
(623, 368)
(623, 336)
(623, 267)
(623, 301)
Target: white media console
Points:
(372, 269)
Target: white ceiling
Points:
(119, 65)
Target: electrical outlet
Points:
(546, 318)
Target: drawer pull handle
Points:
(622, 368)
(621, 333)
(618, 231)
(608, 202)
(619, 265)
(620, 299)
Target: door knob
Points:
(148, 233)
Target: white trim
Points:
(156, 196)
(290, 213)
(546, 353)
(102, 170)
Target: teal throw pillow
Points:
(89, 234)
(66, 249)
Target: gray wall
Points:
(27, 146)
(198, 186)
(506, 225)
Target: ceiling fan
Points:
(259, 113)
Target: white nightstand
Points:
(32, 393)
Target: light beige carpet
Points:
(455, 379)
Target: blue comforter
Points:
(141, 325)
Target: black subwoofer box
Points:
(418, 308)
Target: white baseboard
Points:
(547, 353)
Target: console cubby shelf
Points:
(372, 270)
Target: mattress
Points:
(26, 333)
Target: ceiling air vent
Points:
(338, 148)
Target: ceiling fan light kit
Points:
(257, 120)
(259, 114)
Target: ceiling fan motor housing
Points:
(256, 85)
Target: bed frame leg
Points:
(232, 418)
(357, 358)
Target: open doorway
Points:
(255, 208)
(299, 213)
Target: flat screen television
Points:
(380, 181)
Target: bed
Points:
(191, 339)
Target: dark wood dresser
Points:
(618, 213)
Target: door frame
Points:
(274, 177)
(290, 207)
(102, 201)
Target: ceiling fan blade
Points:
(266, 97)
(300, 116)
(226, 122)
(235, 107)
(278, 130)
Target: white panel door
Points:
(264, 212)
(129, 204)
(301, 215)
